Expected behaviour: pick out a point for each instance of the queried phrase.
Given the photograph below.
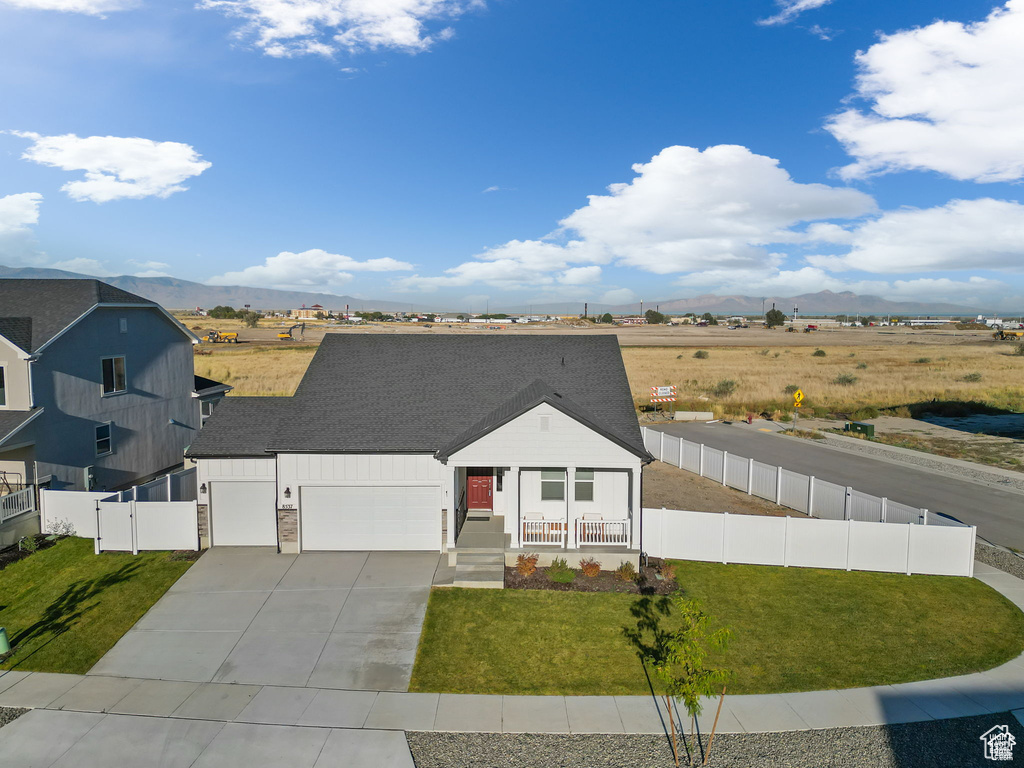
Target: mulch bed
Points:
(647, 582)
(13, 554)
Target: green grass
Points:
(64, 607)
(793, 629)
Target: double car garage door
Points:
(379, 517)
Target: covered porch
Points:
(541, 508)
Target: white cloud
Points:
(312, 269)
(83, 266)
(116, 168)
(790, 9)
(619, 296)
(947, 97)
(285, 28)
(960, 235)
(150, 268)
(90, 7)
(581, 276)
(19, 212)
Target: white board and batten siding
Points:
(375, 501)
(236, 469)
(611, 496)
(241, 498)
(543, 437)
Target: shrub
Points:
(820, 411)
(818, 353)
(668, 571)
(764, 352)
(861, 366)
(972, 377)
(590, 567)
(625, 572)
(845, 379)
(701, 354)
(527, 564)
(559, 571)
(724, 388)
(1019, 350)
(922, 360)
(791, 388)
(28, 544)
(777, 354)
(865, 413)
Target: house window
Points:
(207, 408)
(584, 485)
(552, 485)
(114, 379)
(498, 480)
(3, 388)
(104, 440)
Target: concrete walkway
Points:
(996, 690)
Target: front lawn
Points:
(793, 629)
(64, 607)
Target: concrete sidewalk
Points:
(996, 690)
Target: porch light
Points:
(202, 489)
(287, 493)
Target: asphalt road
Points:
(998, 514)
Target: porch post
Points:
(635, 513)
(512, 511)
(570, 507)
(452, 492)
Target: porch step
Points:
(480, 570)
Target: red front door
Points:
(478, 489)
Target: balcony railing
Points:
(545, 532)
(607, 532)
(18, 503)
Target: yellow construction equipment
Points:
(1002, 335)
(215, 337)
(287, 335)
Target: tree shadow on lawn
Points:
(63, 613)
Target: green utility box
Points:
(861, 428)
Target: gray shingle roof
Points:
(50, 306)
(11, 420)
(203, 386)
(240, 426)
(408, 393)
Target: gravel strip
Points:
(10, 714)
(946, 743)
(999, 558)
(923, 460)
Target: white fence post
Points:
(849, 537)
(97, 547)
(170, 494)
(750, 476)
(701, 467)
(679, 458)
(924, 517)
(885, 509)
(725, 538)
(661, 447)
(785, 545)
(725, 466)
(135, 528)
(810, 497)
(778, 486)
(848, 504)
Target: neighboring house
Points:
(208, 392)
(97, 391)
(391, 441)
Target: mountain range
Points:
(173, 293)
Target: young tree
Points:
(250, 318)
(774, 317)
(607, 318)
(221, 312)
(709, 318)
(678, 657)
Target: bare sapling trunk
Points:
(714, 725)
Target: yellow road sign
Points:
(798, 396)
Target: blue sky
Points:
(456, 152)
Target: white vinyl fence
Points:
(176, 486)
(810, 495)
(792, 541)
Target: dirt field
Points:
(673, 488)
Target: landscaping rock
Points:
(1000, 558)
(946, 743)
(10, 714)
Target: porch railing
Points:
(545, 532)
(17, 503)
(602, 532)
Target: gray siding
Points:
(67, 381)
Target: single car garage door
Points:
(243, 514)
(383, 517)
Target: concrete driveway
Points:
(347, 620)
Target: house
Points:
(97, 391)
(391, 442)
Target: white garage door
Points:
(383, 517)
(243, 514)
